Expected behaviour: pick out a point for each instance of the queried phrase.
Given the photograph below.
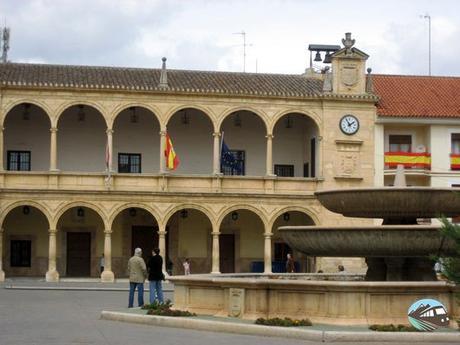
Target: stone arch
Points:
(230, 209)
(207, 112)
(311, 115)
(303, 210)
(39, 104)
(99, 211)
(207, 212)
(154, 212)
(116, 112)
(62, 108)
(228, 112)
(32, 203)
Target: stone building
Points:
(84, 172)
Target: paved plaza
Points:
(48, 317)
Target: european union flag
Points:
(227, 159)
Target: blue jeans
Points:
(140, 294)
(156, 291)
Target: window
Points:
(129, 163)
(20, 253)
(455, 143)
(240, 164)
(400, 143)
(18, 160)
(284, 170)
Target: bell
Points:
(327, 58)
(317, 56)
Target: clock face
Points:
(349, 124)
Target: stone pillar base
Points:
(216, 272)
(107, 277)
(52, 276)
(2, 276)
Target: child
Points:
(186, 266)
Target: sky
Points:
(203, 34)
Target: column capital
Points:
(215, 233)
(108, 231)
(216, 134)
(268, 234)
(52, 231)
(269, 136)
(162, 233)
(53, 129)
(163, 133)
(109, 131)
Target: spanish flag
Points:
(172, 161)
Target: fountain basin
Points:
(392, 202)
(340, 302)
(370, 241)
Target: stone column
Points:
(2, 273)
(216, 156)
(269, 154)
(110, 145)
(268, 252)
(53, 149)
(162, 245)
(162, 151)
(52, 275)
(107, 276)
(1, 149)
(215, 267)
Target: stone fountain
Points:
(397, 250)
(399, 269)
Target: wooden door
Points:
(227, 253)
(146, 238)
(78, 254)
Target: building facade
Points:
(84, 172)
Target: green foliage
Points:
(164, 309)
(392, 328)
(451, 265)
(286, 322)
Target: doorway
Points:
(146, 238)
(227, 253)
(78, 254)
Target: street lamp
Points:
(427, 16)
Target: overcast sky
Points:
(199, 34)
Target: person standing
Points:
(290, 267)
(186, 265)
(155, 269)
(137, 274)
(102, 263)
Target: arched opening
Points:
(136, 141)
(189, 238)
(244, 134)
(27, 138)
(80, 242)
(132, 228)
(280, 249)
(25, 241)
(241, 242)
(81, 139)
(191, 133)
(295, 146)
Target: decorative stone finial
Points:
(369, 83)
(348, 42)
(163, 76)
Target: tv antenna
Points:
(243, 33)
(5, 43)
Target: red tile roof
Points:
(417, 96)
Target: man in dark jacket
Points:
(155, 269)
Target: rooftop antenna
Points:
(243, 33)
(5, 43)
